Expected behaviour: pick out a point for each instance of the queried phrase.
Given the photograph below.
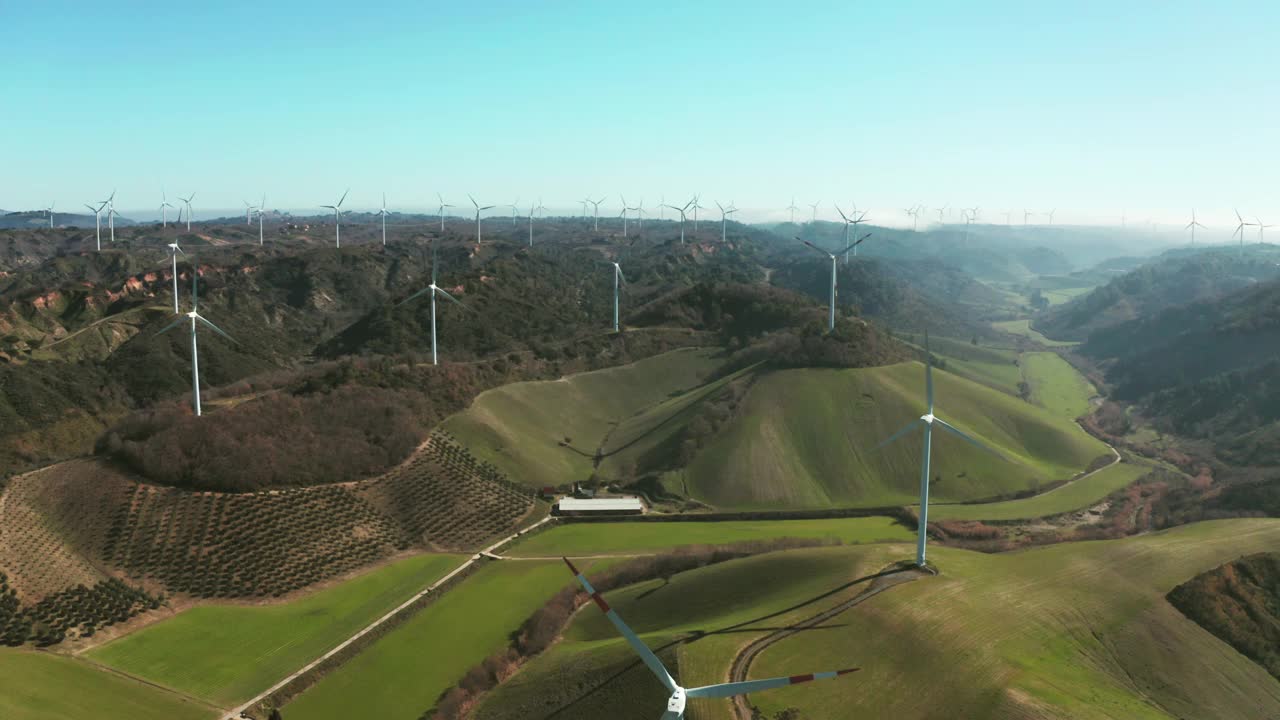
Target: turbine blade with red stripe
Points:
(750, 686)
(655, 665)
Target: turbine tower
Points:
(110, 202)
(724, 216)
(1240, 229)
(248, 213)
(1051, 213)
(532, 209)
(596, 213)
(97, 222)
(618, 279)
(174, 250)
(1261, 229)
(914, 213)
(926, 422)
(623, 215)
(792, 207)
(679, 695)
(1026, 214)
(262, 209)
(513, 210)
(433, 289)
(813, 218)
(195, 317)
(383, 214)
(478, 209)
(861, 216)
(1192, 227)
(185, 201)
(50, 211)
(443, 205)
(831, 313)
(696, 207)
(337, 219)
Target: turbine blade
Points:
(344, 197)
(905, 429)
(171, 325)
(967, 438)
(815, 247)
(750, 686)
(216, 329)
(928, 371)
(620, 274)
(854, 244)
(455, 300)
(655, 665)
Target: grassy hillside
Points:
(1055, 385)
(1079, 630)
(228, 653)
(1076, 495)
(43, 686)
(548, 433)
(807, 438)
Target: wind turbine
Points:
(262, 209)
(681, 210)
(831, 314)
(164, 209)
(383, 214)
(618, 279)
(584, 202)
(662, 203)
(623, 215)
(927, 421)
(914, 212)
(696, 207)
(433, 289)
(639, 211)
(847, 223)
(478, 209)
(110, 202)
(195, 317)
(724, 217)
(679, 695)
(1007, 217)
(1261, 229)
(50, 211)
(792, 207)
(513, 210)
(443, 205)
(174, 250)
(1192, 226)
(596, 212)
(97, 222)
(185, 200)
(1240, 229)
(861, 217)
(248, 213)
(1026, 214)
(813, 218)
(532, 209)
(337, 219)
(1051, 213)
(940, 211)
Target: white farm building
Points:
(599, 506)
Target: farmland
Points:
(43, 686)
(1078, 630)
(1024, 329)
(403, 673)
(227, 653)
(635, 537)
(1075, 495)
(807, 438)
(1055, 385)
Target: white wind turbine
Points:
(97, 222)
(831, 312)
(813, 217)
(513, 207)
(164, 209)
(584, 202)
(679, 695)
(724, 214)
(681, 210)
(195, 317)
(859, 217)
(1240, 229)
(478, 209)
(1051, 213)
(926, 422)
(623, 215)
(1192, 226)
(262, 210)
(443, 205)
(532, 209)
(914, 213)
(174, 250)
(383, 214)
(433, 289)
(1025, 215)
(847, 222)
(111, 214)
(618, 279)
(639, 211)
(337, 219)
(186, 201)
(50, 211)
(248, 212)
(596, 212)
(697, 205)
(792, 207)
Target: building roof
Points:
(600, 505)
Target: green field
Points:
(1075, 495)
(636, 537)
(1062, 295)
(228, 654)
(807, 438)
(1023, 327)
(996, 367)
(548, 433)
(403, 673)
(44, 686)
(1056, 386)
(1077, 630)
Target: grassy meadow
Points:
(229, 653)
(1075, 495)
(1056, 386)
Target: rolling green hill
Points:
(1079, 630)
(807, 438)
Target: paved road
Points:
(487, 552)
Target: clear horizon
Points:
(1100, 112)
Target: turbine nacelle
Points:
(676, 703)
(928, 418)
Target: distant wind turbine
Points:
(1192, 226)
(596, 212)
(618, 279)
(248, 213)
(337, 219)
(478, 210)
(443, 205)
(680, 696)
(792, 207)
(940, 211)
(382, 213)
(926, 422)
(584, 202)
(262, 210)
(724, 216)
(164, 209)
(831, 313)
(174, 250)
(847, 223)
(697, 205)
(532, 209)
(1051, 213)
(623, 215)
(1026, 214)
(195, 317)
(433, 289)
(513, 207)
(185, 201)
(639, 211)
(914, 214)
(1261, 230)
(50, 211)
(1240, 229)
(813, 218)
(681, 210)
(97, 222)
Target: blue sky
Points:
(1090, 107)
